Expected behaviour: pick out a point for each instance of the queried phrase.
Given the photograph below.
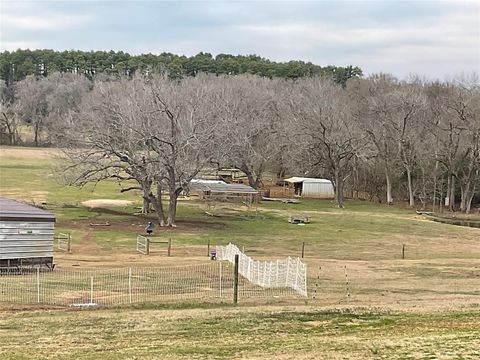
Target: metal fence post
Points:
(38, 285)
(235, 281)
(220, 275)
(130, 285)
(91, 289)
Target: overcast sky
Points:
(431, 38)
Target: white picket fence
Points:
(289, 272)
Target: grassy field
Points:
(247, 333)
(423, 306)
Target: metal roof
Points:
(16, 211)
(224, 188)
(296, 179)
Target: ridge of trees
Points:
(16, 65)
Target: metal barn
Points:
(311, 187)
(26, 235)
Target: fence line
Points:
(209, 282)
(289, 273)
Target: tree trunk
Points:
(389, 188)
(435, 187)
(451, 196)
(338, 196)
(252, 180)
(469, 201)
(146, 197)
(146, 204)
(172, 209)
(158, 205)
(440, 204)
(11, 130)
(173, 193)
(410, 190)
(36, 130)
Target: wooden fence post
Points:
(403, 251)
(235, 281)
(303, 249)
(169, 246)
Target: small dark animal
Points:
(149, 228)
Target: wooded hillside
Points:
(17, 65)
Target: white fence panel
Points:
(291, 273)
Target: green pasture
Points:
(229, 333)
(361, 231)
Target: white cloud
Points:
(43, 21)
(447, 44)
(426, 37)
(14, 45)
(18, 16)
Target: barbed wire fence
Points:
(287, 273)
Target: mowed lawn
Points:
(238, 333)
(381, 306)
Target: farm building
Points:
(26, 235)
(227, 175)
(311, 187)
(221, 191)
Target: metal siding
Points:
(26, 240)
(317, 189)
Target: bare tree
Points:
(9, 118)
(152, 130)
(373, 112)
(324, 128)
(250, 124)
(463, 105)
(408, 104)
(33, 106)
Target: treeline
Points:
(376, 138)
(15, 66)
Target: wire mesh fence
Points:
(209, 282)
(286, 273)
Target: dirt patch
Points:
(32, 197)
(106, 203)
(28, 153)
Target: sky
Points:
(433, 39)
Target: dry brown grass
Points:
(28, 153)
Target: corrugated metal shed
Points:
(312, 187)
(221, 187)
(317, 189)
(26, 234)
(297, 179)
